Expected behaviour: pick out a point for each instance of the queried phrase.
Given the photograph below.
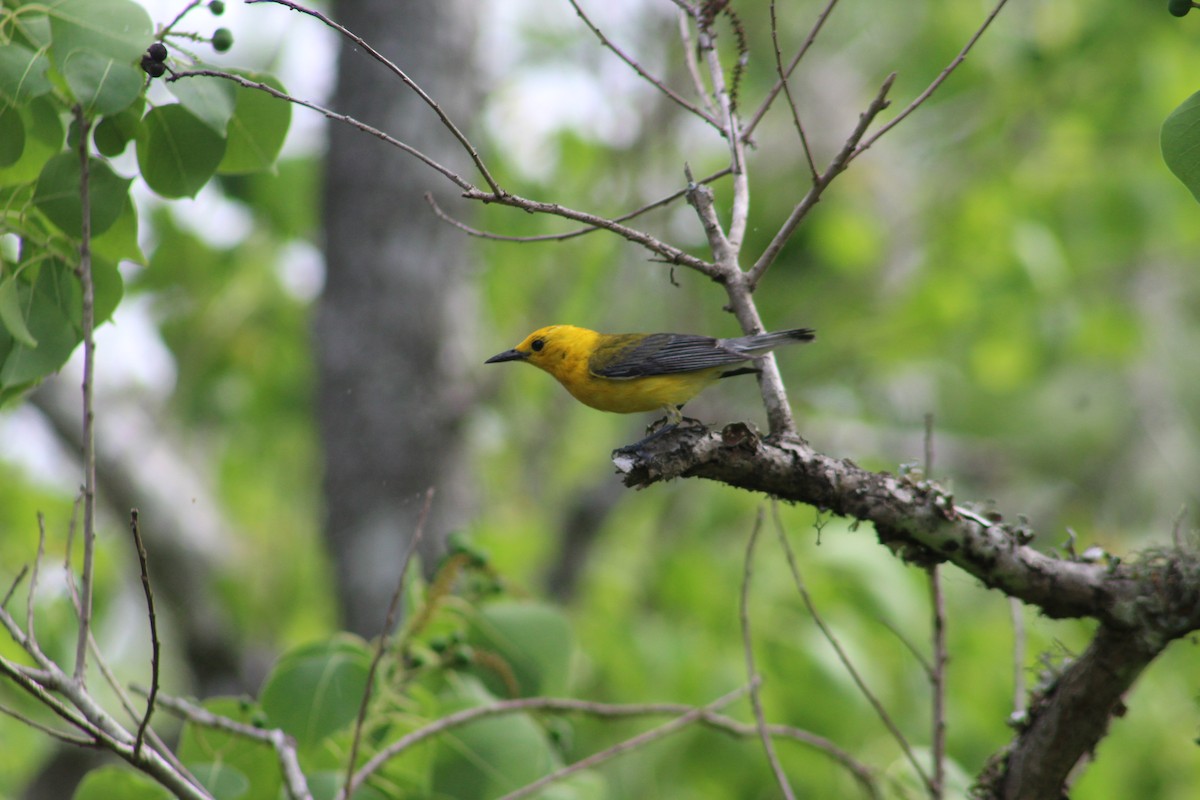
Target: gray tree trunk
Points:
(390, 336)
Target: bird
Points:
(631, 372)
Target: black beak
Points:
(507, 355)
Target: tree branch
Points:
(1067, 719)
(921, 521)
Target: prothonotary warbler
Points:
(630, 372)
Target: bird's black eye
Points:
(536, 345)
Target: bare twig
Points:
(937, 681)
(284, 745)
(937, 675)
(409, 82)
(760, 718)
(88, 322)
(459, 718)
(14, 585)
(30, 722)
(929, 90)
(625, 746)
(787, 92)
(730, 127)
(1017, 613)
(813, 195)
(670, 254)
(689, 60)
(127, 704)
(558, 237)
(781, 84)
(851, 670)
(154, 646)
(30, 600)
(381, 646)
(636, 67)
(446, 172)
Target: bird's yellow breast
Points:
(569, 360)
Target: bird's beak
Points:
(507, 355)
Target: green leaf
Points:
(176, 152)
(256, 761)
(106, 783)
(11, 312)
(489, 757)
(257, 130)
(210, 99)
(325, 785)
(532, 639)
(57, 194)
(120, 242)
(315, 690)
(12, 136)
(22, 73)
(119, 29)
(107, 289)
(46, 307)
(43, 139)
(1181, 143)
(100, 83)
(222, 781)
(114, 133)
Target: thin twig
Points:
(813, 195)
(284, 745)
(13, 586)
(937, 681)
(1017, 613)
(642, 73)
(558, 237)
(446, 172)
(937, 675)
(88, 321)
(780, 84)
(827, 632)
(926, 667)
(154, 646)
(183, 13)
(30, 722)
(127, 704)
(625, 746)
(739, 213)
(929, 90)
(787, 92)
(760, 718)
(31, 598)
(399, 73)
(385, 636)
(467, 715)
(689, 60)
(670, 254)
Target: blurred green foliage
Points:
(1015, 260)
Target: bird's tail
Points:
(762, 342)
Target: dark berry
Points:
(154, 69)
(222, 39)
(216, 7)
(1179, 8)
(157, 51)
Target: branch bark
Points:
(1142, 604)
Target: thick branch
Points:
(1160, 596)
(1068, 720)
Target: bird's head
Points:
(548, 347)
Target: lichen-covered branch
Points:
(1142, 604)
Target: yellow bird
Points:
(630, 372)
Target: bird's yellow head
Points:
(555, 348)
